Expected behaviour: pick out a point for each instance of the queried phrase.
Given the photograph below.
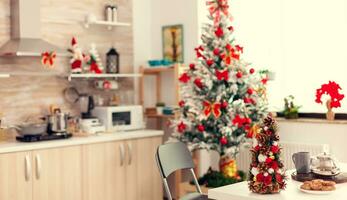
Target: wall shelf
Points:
(156, 70)
(86, 76)
(109, 25)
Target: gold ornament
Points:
(228, 167)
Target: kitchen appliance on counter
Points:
(92, 126)
(120, 118)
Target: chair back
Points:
(172, 157)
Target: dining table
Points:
(240, 191)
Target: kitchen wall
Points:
(23, 96)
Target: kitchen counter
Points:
(14, 146)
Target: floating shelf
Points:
(80, 76)
(106, 23)
(4, 75)
(156, 70)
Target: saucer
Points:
(332, 172)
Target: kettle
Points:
(86, 106)
(324, 162)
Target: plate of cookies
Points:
(318, 186)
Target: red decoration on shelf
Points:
(331, 89)
(48, 59)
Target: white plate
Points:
(316, 192)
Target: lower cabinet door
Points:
(16, 176)
(104, 171)
(148, 181)
(57, 174)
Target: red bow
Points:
(217, 7)
(222, 75)
(213, 108)
(48, 59)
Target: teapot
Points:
(323, 162)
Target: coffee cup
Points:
(302, 162)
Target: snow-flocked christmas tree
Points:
(223, 98)
(266, 174)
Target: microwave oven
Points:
(120, 118)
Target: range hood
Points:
(26, 31)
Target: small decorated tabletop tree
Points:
(266, 174)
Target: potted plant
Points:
(291, 111)
(160, 106)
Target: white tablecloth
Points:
(240, 191)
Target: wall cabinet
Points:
(110, 170)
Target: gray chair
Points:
(176, 156)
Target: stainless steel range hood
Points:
(26, 31)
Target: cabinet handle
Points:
(122, 154)
(38, 166)
(130, 149)
(27, 168)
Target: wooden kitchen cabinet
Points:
(104, 171)
(57, 174)
(16, 176)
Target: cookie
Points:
(328, 183)
(328, 188)
(305, 186)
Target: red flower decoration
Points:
(274, 165)
(239, 121)
(184, 78)
(275, 149)
(268, 161)
(250, 91)
(209, 62)
(331, 89)
(260, 177)
(192, 66)
(279, 178)
(267, 179)
(181, 127)
(264, 80)
(219, 32)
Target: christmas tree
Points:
(266, 171)
(223, 99)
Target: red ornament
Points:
(260, 177)
(247, 100)
(331, 89)
(239, 74)
(239, 48)
(231, 28)
(224, 75)
(181, 127)
(257, 148)
(275, 149)
(209, 62)
(192, 66)
(267, 179)
(279, 178)
(201, 128)
(251, 70)
(198, 83)
(181, 103)
(264, 80)
(219, 32)
(225, 104)
(239, 121)
(268, 161)
(212, 108)
(184, 78)
(223, 140)
(216, 52)
(250, 91)
(274, 165)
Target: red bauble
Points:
(239, 74)
(250, 91)
(275, 149)
(225, 104)
(192, 66)
(216, 52)
(181, 103)
(201, 128)
(219, 32)
(184, 78)
(224, 140)
(209, 62)
(198, 83)
(251, 70)
(181, 127)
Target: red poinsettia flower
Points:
(181, 127)
(331, 89)
(184, 78)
